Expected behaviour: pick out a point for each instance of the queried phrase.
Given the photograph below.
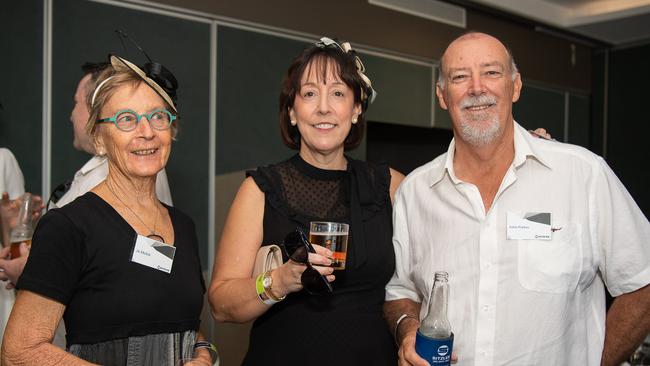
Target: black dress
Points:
(81, 257)
(346, 327)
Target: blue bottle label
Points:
(437, 351)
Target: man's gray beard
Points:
(474, 131)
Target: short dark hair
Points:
(320, 58)
(94, 69)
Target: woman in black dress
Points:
(322, 104)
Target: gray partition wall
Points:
(84, 31)
(21, 95)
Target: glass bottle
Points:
(434, 340)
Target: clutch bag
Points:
(268, 257)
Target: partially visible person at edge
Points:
(518, 296)
(88, 262)
(12, 188)
(322, 114)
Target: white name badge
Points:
(154, 254)
(529, 226)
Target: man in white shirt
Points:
(529, 230)
(96, 169)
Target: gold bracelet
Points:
(267, 282)
(261, 291)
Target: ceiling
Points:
(616, 22)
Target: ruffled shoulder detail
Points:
(269, 182)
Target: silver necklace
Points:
(153, 234)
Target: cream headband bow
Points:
(120, 64)
(368, 94)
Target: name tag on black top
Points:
(153, 254)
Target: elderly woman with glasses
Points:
(322, 103)
(121, 268)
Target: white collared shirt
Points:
(522, 302)
(94, 172)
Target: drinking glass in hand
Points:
(333, 236)
(24, 227)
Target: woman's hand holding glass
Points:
(309, 267)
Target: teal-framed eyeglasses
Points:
(127, 119)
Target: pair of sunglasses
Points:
(297, 247)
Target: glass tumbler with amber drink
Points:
(24, 227)
(333, 236)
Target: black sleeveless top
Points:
(345, 327)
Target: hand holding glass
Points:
(25, 226)
(333, 236)
(297, 248)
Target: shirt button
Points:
(487, 265)
(486, 307)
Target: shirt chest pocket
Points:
(551, 266)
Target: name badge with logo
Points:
(529, 226)
(154, 254)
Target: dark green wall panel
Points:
(250, 67)
(21, 121)
(579, 120)
(403, 91)
(541, 107)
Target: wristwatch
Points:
(267, 282)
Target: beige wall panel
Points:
(226, 187)
(231, 339)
